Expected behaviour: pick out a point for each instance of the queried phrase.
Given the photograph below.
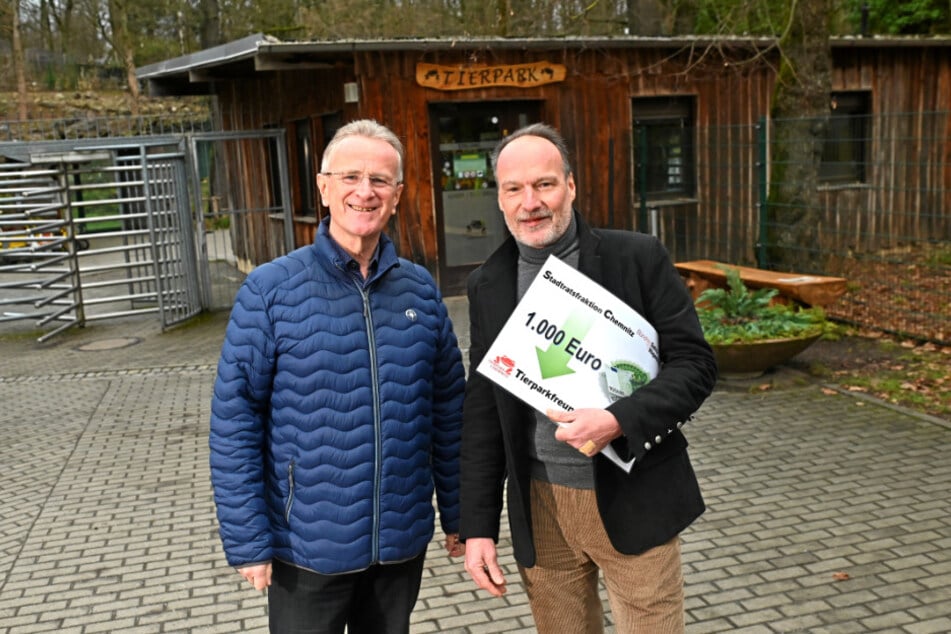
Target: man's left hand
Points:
(588, 430)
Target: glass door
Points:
(469, 222)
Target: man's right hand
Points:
(483, 566)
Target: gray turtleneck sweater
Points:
(552, 460)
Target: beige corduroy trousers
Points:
(645, 591)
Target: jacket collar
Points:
(332, 252)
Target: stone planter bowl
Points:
(751, 359)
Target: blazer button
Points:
(647, 446)
(657, 440)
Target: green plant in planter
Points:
(738, 315)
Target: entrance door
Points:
(467, 211)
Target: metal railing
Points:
(86, 127)
(97, 233)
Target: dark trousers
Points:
(378, 600)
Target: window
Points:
(329, 124)
(306, 175)
(845, 150)
(274, 170)
(664, 147)
(326, 127)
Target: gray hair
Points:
(366, 128)
(542, 130)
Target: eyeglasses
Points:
(353, 179)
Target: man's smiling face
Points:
(535, 193)
(360, 188)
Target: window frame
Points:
(651, 116)
(304, 162)
(847, 137)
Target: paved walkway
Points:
(828, 512)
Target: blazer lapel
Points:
(589, 260)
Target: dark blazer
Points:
(660, 496)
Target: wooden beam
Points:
(811, 290)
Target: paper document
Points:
(570, 344)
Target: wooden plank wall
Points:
(908, 193)
(592, 108)
(907, 196)
(268, 100)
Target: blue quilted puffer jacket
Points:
(337, 411)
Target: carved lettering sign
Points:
(464, 77)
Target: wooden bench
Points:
(811, 290)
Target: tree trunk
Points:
(19, 63)
(122, 45)
(210, 34)
(502, 13)
(46, 27)
(800, 112)
(646, 17)
(131, 80)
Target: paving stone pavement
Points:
(828, 512)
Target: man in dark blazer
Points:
(573, 512)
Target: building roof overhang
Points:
(196, 73)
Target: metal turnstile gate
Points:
(97, 232)
(101, 229)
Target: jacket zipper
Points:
(377, 423)
(290, 492)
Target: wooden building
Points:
(663, 132)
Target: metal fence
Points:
(97, 229)
(97, 233)
(93, 127)
(876, 214)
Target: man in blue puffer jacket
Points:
(337, 411)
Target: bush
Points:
(736, 314)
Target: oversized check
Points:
(569, 344)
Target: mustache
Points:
(535, 215)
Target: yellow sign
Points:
(466, 77)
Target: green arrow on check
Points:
(554, 361)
